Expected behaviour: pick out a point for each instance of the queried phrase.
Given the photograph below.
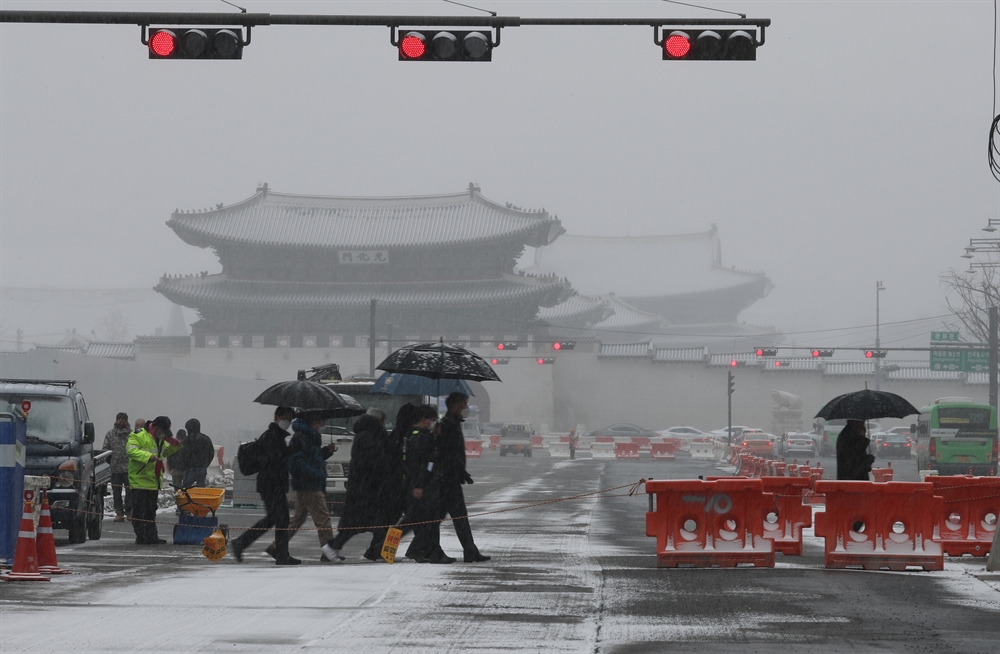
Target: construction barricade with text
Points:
(971, 508)
(473, 449)
(876, 526)
(559, 450)
(626, 450)
(663, 450)
(709, 523)
(602, 450)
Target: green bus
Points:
(956, 436)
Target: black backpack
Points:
(248, 457)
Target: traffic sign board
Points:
(944, 337)
(960, 360)
(976, 361)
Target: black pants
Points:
(119, 488)
(426, 541)
(276, 506)
(453, 504)
(144, 515)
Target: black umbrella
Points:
(304, 394)
(439, 361)
(866, 405)
(351, 408)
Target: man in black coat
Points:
(272, 484)
(453, 474)
(853, 460)
(362, 510)
(197, 455)
(422, 457)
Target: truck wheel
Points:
(96, 521)
(78, 529)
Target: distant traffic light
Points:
(822, 353)
(766, 352)
(196, 43)
(423, 45)
(780, 364)
(508, 345)
(564, 345)
(546, 361)
(875, 354)
(709, 45)
(734, 363)
(500, 361)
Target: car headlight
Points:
(64, 479)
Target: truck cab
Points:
(60, 446)
(515, 438)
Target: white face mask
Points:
(465, 412)
(285, 424)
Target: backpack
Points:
(248, 457)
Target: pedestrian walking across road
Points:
(307, 465)
(451, 446)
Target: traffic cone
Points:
(47, 562)
(25, 557)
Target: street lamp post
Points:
(878, 368)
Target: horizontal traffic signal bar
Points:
(445, 45)
(195, 43)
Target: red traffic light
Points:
(677, 45)
(734, 363)
(869, 354)
(557, 346)
(413, 46)
(500, 346)
(499, 361)
(163, 43)
(815, 353)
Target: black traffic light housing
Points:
(507, 345)
(500, 361)
(822, 353)
(445, 45)
(680, 43)
(875, 354)
(546, 361)
(766, 352)
(564, 345)
(196, 42)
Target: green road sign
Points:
(976, 361)
(960, 360)
(944, 337)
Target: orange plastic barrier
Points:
(882, 475)
(494, 441)
(604, 439)
(662, 451)
(784, 523)
(779, 468)
(642, 442)
(734, 454)
(473, 449)
(971, 509)
(626, 450)
(880, 526)
(537, 443)
(709, 523)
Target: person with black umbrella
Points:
(853, 460)
(454, 474)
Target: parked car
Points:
(724, 433)
(757, 442)
(684, 432)
(796, 442)
(895, 446)
(623, 430)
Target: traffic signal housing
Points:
(445, 45)
(766, 352)
(500, 361)
(564, 345)
(507, 345)
(704, 45)
(195, 43)
(546, 361)
(822, 353)
(875, 354)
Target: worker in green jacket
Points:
(147, 450)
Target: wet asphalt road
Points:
(577, 576)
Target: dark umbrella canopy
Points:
(867, 405)
(398, 383)
(439, 361)
(304, 394)
(350, 409)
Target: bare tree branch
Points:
(970, 295)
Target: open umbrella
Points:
(867, 405)
(439, 361)
(350, 409)
(398, 383)
(304, 394)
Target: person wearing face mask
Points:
(453, 474)
(272, 484)
(147, 451)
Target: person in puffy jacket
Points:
(198, 454)
(307, 465)
(147, 451)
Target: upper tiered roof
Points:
(338, 223)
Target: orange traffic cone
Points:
(25, 556)
(47, 562)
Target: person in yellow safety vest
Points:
(147, 450)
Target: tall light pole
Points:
(878, 367)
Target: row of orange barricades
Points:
(728, 521)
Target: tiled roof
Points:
(647, 266)
(217, 290)
(280, 219)
(624, 350)
(924, 373)
(627, 317)
(698, 354)
(110, 350)
(578, 310)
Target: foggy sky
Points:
(852, 150)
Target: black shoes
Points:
(269, 550)
(442, 559)
(237, 549)
(476, 558)
(291, 560)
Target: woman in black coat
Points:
(853, 460)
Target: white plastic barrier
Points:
(602, 450)
(702, 451)
(558, 449)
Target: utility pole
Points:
(731, 387)
(878, 362)
(371, 340)
(993, 357)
